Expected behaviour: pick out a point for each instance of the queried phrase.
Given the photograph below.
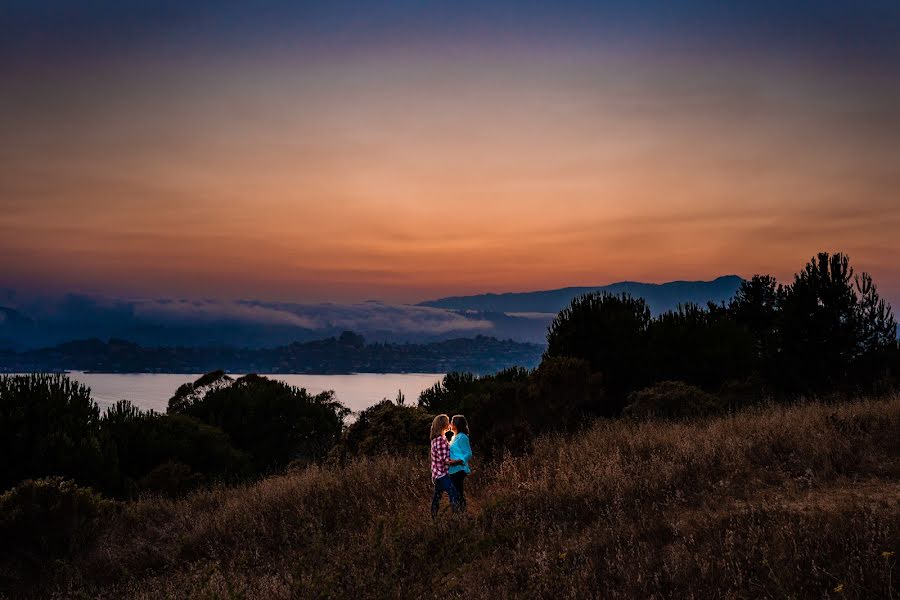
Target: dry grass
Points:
(779, 502)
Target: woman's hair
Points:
(462, 426)
(440, 423)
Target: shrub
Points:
(672, 400)
(563, 390)
(144, 447)
(171, 478)
(387, 428)
(46, 519)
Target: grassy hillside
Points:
(779, 502)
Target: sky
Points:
(400, 151)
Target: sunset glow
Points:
(335, 154)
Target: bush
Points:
(387, 428)
(672, 400)
(46, 519)
(144, 447)
(563, 391)
(171, 478)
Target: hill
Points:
(347, 353)
(801, 502)
(29, 323)
(660, 297)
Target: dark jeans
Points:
(441, 485)
(459, 480)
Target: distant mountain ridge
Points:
(659, 296)
(41, 322)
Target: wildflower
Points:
(839, 588)
(887, 554)
(562, 555)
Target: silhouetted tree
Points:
(191, 392)
(49, 425)
(756, 306)
(273, 422)
(701, 346)
(448, 395)
(835, 331)
(609, 332)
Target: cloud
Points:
(377, 316)
(101, 313)
(206, 311)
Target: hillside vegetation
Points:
(675, 455)
(776, 501)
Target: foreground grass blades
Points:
(776, 502)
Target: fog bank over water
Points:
(29, 321)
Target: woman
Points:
(460, 455)
(440, 456)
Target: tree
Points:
(756, 307)
(607, 331)
(191, 392)
(449, 394)
(701, 346)
(835, 331)
(49, 425)
(878, 329)
(273, 422)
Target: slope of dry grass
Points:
(799, 502)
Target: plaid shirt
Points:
(440, 453)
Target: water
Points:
(357, 392)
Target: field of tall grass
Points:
(776, 502)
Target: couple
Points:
(449, 461)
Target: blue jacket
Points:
(460, 450)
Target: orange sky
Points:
(404, 176)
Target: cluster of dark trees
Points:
(826, 334)
(217, 429)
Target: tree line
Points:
(826, 334)
(217, 429)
